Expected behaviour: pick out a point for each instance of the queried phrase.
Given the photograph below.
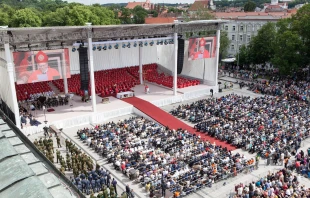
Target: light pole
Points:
(238, 44)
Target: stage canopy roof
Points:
(70, 34)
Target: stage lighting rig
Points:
(128, 45)
(104, 47)
(166, 42)
(151, 43)
(145, 44)
(94, 48)
(141, 44)
(110, 46)
(124, 45)
(99, 48)
(135, 44)
(158, 42)
(116, 46)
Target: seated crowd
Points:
(281, 184)
(265, 125)
(160, 159)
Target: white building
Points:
(243, 26)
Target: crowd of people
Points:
(280, 184)
(164, 161)
(266, 125)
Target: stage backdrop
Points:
(115, 58)
(201, 48)
(37, 66)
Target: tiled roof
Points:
(159, 20)
(199, 4)
(252, 15)
(132, 5)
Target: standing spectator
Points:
(127, 190)
(163, 188)
(114, 182)
(108, 179)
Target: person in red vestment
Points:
(146, 89)
(21, 65)
(202, 52)
(44, 72)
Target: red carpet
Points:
(166, 119)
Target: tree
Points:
(203, 14)
(139, 15)
(125, 16)
(224, 44)
(301, 24)
(25, 18)
(262, 49)
(4, 18)
(288, 47)
(79, 15)
(243, 56)
(249, 6)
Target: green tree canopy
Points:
(288, 48)
(224, 44)
(139, 15)
(249, 6)
(79, 15)
(25, 18)
(262, 49)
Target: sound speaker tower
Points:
(84, 68)
(181, 45)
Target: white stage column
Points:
(12, 83)
(91, 70)
(175, 70)
(218, 36)
(140, 65)
(64, 71)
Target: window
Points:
(249, 27)
(234, 28)
(240, 37)
(232, 37)
(249, 38)
(232, 47)
(241, 28)
(226, 27)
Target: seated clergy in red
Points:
(44, 72)
(202, 52)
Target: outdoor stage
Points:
(80, 113)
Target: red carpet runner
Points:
(166, 119)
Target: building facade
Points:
(240, 32)
(243, 26)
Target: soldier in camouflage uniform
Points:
(58, 141)
(58, 155)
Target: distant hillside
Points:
(125, 4)
(113, 4)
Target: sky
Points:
(126, 1)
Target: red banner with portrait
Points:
(38, 66)
(201, 48)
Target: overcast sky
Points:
(126, 1)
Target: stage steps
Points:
(54, 88)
